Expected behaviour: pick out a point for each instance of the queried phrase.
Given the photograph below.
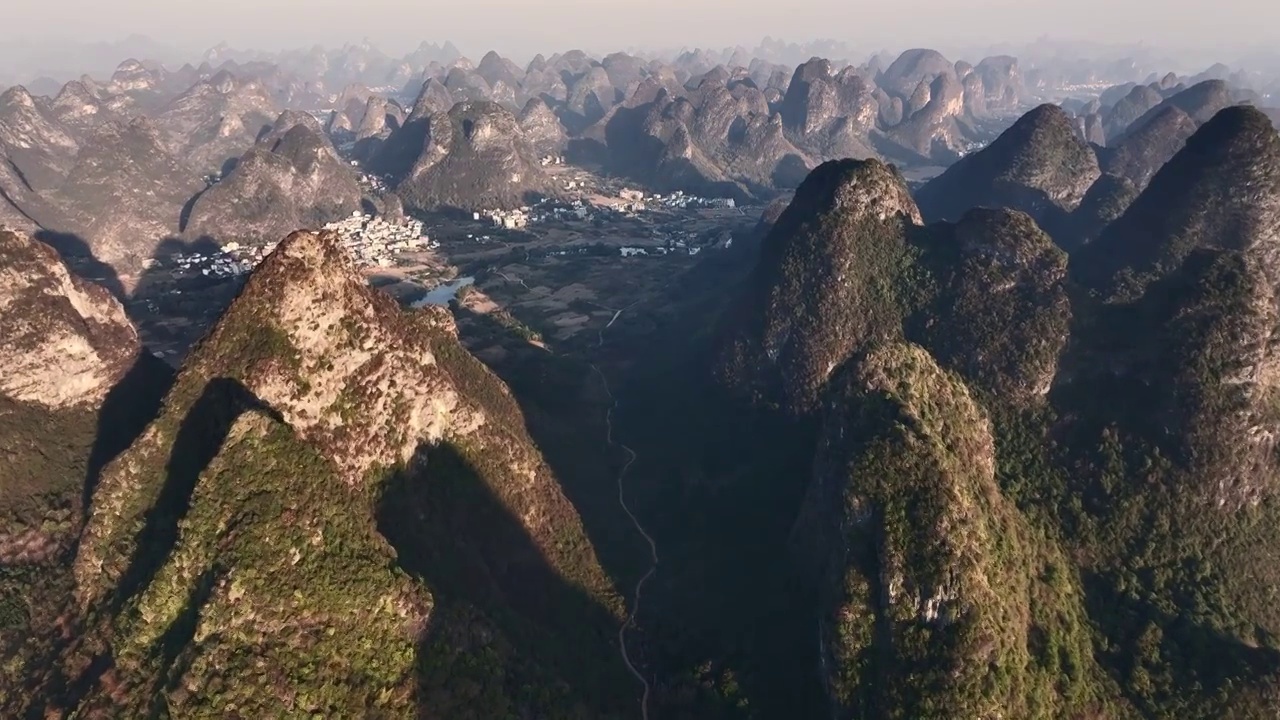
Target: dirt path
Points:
(653, 547)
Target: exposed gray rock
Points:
(475, 156)
(542, 128)
(292, 182)
(64, 342)
(216, 120)
(125, 193)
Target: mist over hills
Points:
(737, 125)
(344, 383)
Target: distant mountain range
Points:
(118, 163)
(1011, 440)
(997, 443)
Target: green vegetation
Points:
(233, 566)
(998, 310)
(43, 465)
(945, 601)
(1174, 514)
(1127, 522)
(274, 570)
(1039, 166)
(986, 296)
(834, 277)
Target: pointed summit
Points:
(1143, 151)
(1169, 396)
(295, 178)
(434, 97)
(1222, 191)
(475, 156)
(824, 285)
(348, 496)
(1039, 166)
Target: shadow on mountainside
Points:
(61, 670)
(79, 258)
(718, 490)
(564, 402)
(172, 307)
(1175, 651)
(128, 409)
(171, 311)
(508, 636)
(198, 440)
(720, 485)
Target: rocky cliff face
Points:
(66, 341)
(904, 77)
(928, 128)
(1038, 166)
(932, 580)
(433, 97)
(78, 109)
(1183, 250)
(326, 460)
(590, 96)
(36, 146)
(848, 266)
(475, 156)
(35, 152)
(284, 183)
(1111, 419)
(68, 349)
(117, 188)
(829, 115)
(542, 128)
(1002, 83)
(216, 120)
(125, 193)
(720, 142)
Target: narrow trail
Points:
(612, 320)
(622, 501)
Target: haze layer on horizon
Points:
(524, 27)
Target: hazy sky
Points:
(526, 26)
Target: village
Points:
(372, 241)
(628, 203)
(620, 222)
(376, 240)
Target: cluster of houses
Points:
(681, 201)
(506, 219)
(376, 241)
(635, 201)
(545, 211)
(224, 263)
(631, 251)
(370, 240)
(371, 183)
